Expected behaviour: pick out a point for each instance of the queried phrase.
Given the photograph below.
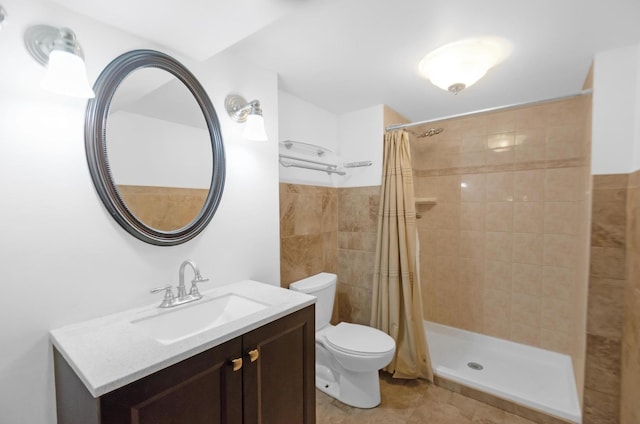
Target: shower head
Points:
(430, 132)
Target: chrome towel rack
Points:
(358, 164)
(314, 165)
(329, 168)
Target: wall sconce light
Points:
(3, 16)
(59, 51)
(240, 111)
(458, 65)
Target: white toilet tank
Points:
(323, 287)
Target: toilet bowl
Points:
(348, 356)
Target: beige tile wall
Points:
(357, 229)
(308, 231)
(630, 368)
(324, 229)
(612, 384)
(605, 311)
(502, 251)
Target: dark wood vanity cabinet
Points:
(274, 385)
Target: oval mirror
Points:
(154, 148)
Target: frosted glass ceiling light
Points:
(250, 112)
(458, 65)
(58, 50)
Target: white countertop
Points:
(110, 352)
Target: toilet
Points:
(348, 356)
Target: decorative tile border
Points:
(487, 169)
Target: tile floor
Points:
(413, 402)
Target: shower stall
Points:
(504, 250)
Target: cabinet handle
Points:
(254, 355)
(237, 363)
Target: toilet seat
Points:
(359, 340)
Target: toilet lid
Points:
(360, 339)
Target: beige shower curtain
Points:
(397, 302)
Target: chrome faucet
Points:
(197, 278)
(194, 294)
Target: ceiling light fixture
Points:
(456, 66)
(250, 112)
(59, 51)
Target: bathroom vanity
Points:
(258, 368)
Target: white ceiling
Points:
(345, 55)
(195, 28)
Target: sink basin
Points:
(184, 321)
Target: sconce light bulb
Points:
(254, 128)
(66, 74)
(58, 50)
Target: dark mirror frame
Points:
(96, 145)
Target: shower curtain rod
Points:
(492, 109)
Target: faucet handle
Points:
(169, 298)
(194, 288)
(159, 289)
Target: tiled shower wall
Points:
(630, 369)
(504, 249)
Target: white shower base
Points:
(525, 375)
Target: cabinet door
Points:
(279, 384)
(202, 389)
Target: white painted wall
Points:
(360, 138)
(352, 137)
(63, 258)
(304, 122)
(616, 111)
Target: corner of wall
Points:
(392, 117)
(588, 81)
